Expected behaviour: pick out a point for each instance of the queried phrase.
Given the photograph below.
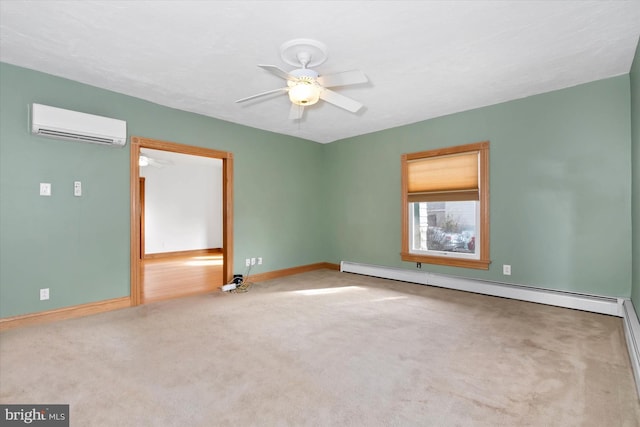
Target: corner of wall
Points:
(634, 82)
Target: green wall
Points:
(561, 211)
(79, 247)
(560, 182)
(635, 138)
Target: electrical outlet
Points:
(260, 261)
(44, 294)
(77, 188)
(253, 261)
(247, 262)
(506, 270)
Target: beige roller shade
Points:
(443, 178)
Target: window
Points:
(445, 206)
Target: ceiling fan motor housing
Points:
(304, 73)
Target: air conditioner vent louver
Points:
(75, 126)
(67, 135)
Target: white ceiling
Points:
(423, 59)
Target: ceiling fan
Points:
(146, 160)
(305, 86)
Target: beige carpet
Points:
(328, 349)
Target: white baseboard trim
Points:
(632, 334)
(594, 303)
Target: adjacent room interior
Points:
(181, 224)
(380, 287)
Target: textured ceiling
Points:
(423, 59)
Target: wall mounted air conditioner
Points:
(65, 124)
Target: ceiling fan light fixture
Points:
(304, 93)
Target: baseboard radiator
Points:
(632, 334)
(593, 303)
(620, 307)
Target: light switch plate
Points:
(45, 189)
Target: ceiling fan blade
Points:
(277, 71)
(145, 160)
(157, 163)
(343, 79)
(340, 100)
(295, 113)
(269, 92)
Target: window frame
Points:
(482, 148)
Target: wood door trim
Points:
(137, 143)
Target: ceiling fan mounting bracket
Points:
(305, 52)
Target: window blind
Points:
(443, 178)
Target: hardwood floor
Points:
(180, 275)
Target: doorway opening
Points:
(201, 264)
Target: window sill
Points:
(480, 264)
